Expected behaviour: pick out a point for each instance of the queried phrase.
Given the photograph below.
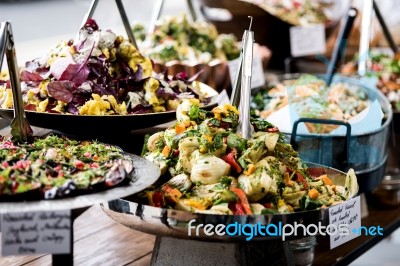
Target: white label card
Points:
(346, 219)
(26, 233)
(307, 40)
(257, 77)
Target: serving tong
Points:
(122, 14)
(368, 7)
(242, 86)
(21, 131)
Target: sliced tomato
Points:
(269, 205)
(243, 199)
(301, 179)
(158, 199)
(272, 129)
(236, 208)
(231, 160)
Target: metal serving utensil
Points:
(122, 14)
(365, 36)
(156, 15)
(20, 128)
(245, 127)
(125, 21)
(341, 44)
(385, 29)
(235, 97)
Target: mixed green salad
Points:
(177, 38)
(208, 168)
(55, 167)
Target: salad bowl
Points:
(96, 125)
(131, 213)
(211, 175)
(99, 83)
(143, 175)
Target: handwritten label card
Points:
(346, 221)
(36, 233)
(307, 40)
(257, 77)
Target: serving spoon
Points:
(21, 131)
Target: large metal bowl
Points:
(174, 223)
(95, 126)
(145, 174)
(366, 153)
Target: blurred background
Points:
(40, 24)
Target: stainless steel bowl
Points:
(175, 223)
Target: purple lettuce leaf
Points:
(61, 90)
(76, 73)
(141, 109)
(28, 76)
(72, 109)
(79, 99)
(164, 93)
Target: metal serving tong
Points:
(122, 14)
(341, 44)
(365, 36)
(20, 128)
(241, 93)
(368, 7)
(158, 10)
(385, 29)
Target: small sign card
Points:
(26, 233)
(307, 40)
(257, 77)
(345, 219)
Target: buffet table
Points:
(99, 239)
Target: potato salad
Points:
(208, 168)
(98, 73)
